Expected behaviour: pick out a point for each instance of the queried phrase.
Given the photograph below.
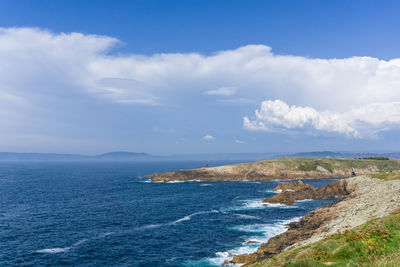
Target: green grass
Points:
(332, 164)
(376, 243)
(387, 175)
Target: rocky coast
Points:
(359, 199)
(283, 169)
(362, 199)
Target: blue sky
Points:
(169, 77)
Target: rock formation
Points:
(283, 169)
(367, 199)
(300, 191)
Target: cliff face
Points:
(367, 199)
(285, 168)
(292, 192)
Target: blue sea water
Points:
(106, 214)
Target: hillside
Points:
(283, 168)
(375, 243)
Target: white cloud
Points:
(208, 137)
(37, 60)
(239, 142)
(224, 91)
(358, 122)
(43, 74)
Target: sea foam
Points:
(264, 233)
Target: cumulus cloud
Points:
(208, 137)
(225, 91)
(358, 122)
(43, 75)
(58, 63)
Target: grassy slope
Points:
(330, 164)
(387, 176)
(376, 243)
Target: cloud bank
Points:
(42, 74)
(360, 122)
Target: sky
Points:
(173, 77)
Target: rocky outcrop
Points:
(292, 192)
(288, 186)
(368, 199)
(282, 169)
(297, 231)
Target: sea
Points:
(107, 214)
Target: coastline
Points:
(282, 169)
(360, 199)
(369, 198)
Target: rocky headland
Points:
(283, 169)
(362, 199)
(292, 192)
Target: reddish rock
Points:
(303, 191)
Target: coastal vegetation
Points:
(387, 175)
(360, 229)
(375, 243)
(285, 168)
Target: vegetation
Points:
(387, 175)
(376, 243)
(376, 158)
(331, 164)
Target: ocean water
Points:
(105, 213)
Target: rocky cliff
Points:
(292, 192)
(284, 168)
(366, 199)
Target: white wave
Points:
(205, 184)
(175, 182)
(53, 250)
(267, 231)
(60, 250)
(186, 218)
(252, 204)
(245, 216)
(149, 226)
(272, 191)
(279, 205)
(305, 200)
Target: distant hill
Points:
(123, 155)
(13, 156)
(38, 156)
(238, 157)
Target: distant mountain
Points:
(123, 155)
(319, 154)
(11, 156)
(330, 154)
(239, 157)
(38, 156)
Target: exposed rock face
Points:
(298, 185)
(300, 191)
(284, 168)
(369, 198)
(297, 231)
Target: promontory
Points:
(284, 169)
